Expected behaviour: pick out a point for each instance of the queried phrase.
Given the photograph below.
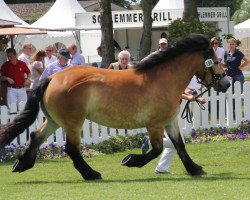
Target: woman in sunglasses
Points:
(219, 51)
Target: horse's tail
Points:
(11, 130)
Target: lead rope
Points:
(187, 113)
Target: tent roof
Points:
(60, 16)
(7, 14)
(7, 23)
(169, 4)
(20, 31)
(243, 25)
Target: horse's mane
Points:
(192, 43)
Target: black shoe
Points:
(145, 146)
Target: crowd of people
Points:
(24, 71)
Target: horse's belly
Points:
(116, 119)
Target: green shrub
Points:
(119, 143)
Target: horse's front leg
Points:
(176, 138)
(134, 160)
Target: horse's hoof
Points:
(198, 173)
(17, 167)
(93, 176)
(21, 166)
(128, 161)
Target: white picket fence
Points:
(219, 112)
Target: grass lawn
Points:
(227, 164)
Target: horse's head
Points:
(213, 75)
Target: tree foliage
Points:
(243, 13)
(232, 4)
(180, 28)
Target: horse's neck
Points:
(177, 75)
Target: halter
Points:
(209, 65)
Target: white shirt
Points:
(35, 75)
(220, 54)
(25, 58)
(193, 84)
(77, 59)
(48, 60)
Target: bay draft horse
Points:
(146, 96)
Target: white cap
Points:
(163, 40)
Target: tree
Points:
(146, 42)
(190, 10)
(243, 13)
(232, 4)
(107, 40)
(190, 24)
(123, 3)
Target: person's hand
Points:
(202, 100)
(27, 83)
(10, 80)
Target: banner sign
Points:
(134, 18)
(213, 14)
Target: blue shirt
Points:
(51, 69)
(77, 59)
(233, 62)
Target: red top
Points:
(15, 72)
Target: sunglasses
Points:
(216, 43)
(49, 50)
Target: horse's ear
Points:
(209, 63)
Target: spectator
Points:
(123, 61)
(94, 64)
(163, 44)
(50, 58)
(234, 64)
(26, 53)
(61, 63)
(76, 57)
(219, 51)
(13, 72)
(3, 56)
(163, 35)
(99, 52)
(37, 67)
(3, 59)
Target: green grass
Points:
(227, 164)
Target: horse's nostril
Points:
(228, 85)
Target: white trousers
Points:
(16, 95)
(167, 155)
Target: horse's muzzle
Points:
(222, 85)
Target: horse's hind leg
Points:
(27, 160)
(73, 150)
(175, 136)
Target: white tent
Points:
(7, 14)
(242, 30)
(169, 4)
(242, 33)
(60, 16)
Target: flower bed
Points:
(242, 132)
(121, 143)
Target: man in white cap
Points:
(62, 62)
(163, 44)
